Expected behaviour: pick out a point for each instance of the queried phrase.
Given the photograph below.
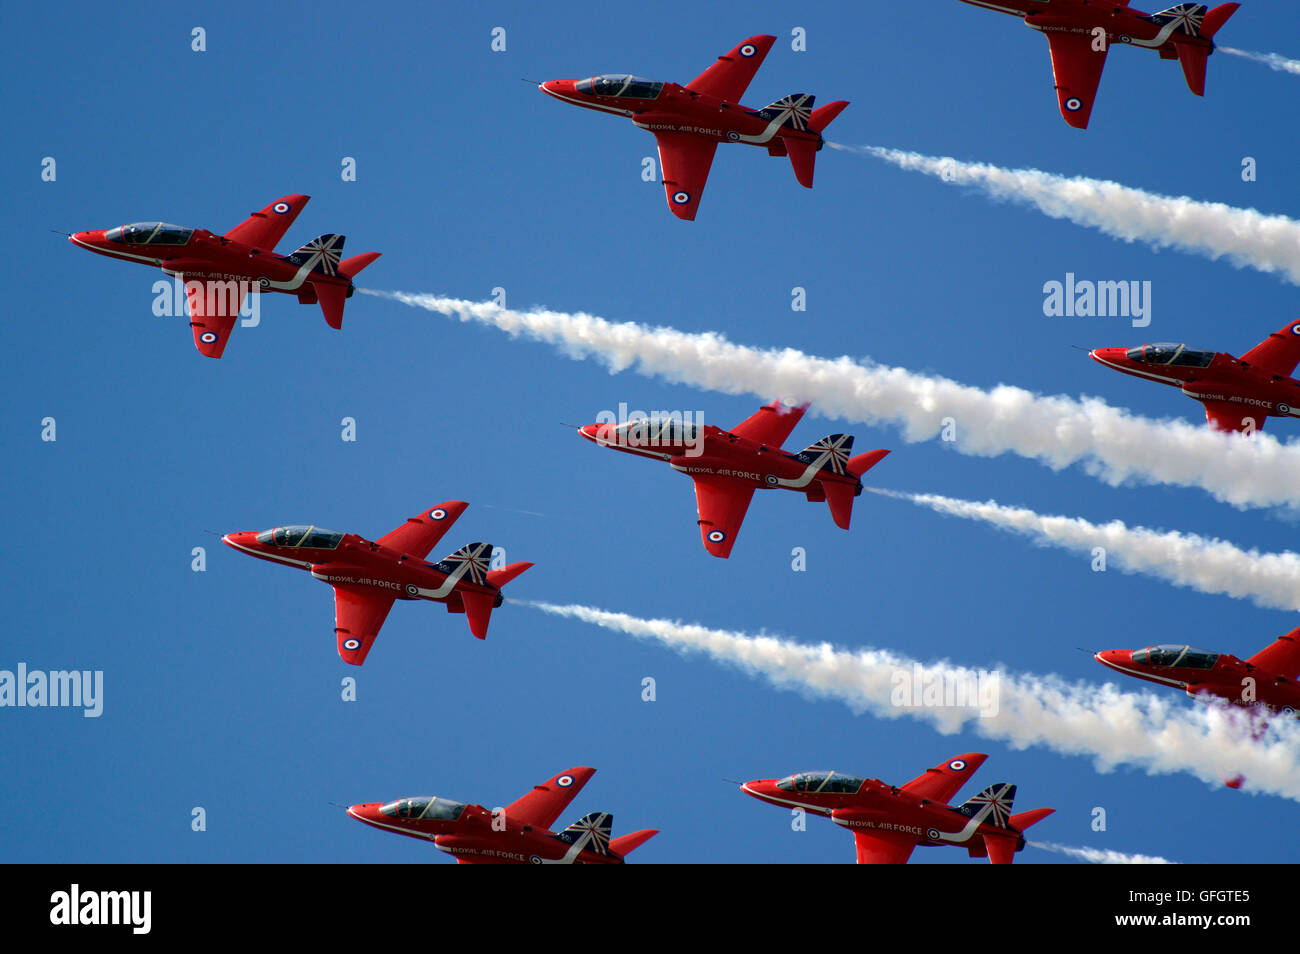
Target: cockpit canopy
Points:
(149, 233)
(442, 809)
(1177, 355)
(314, 537)
(1182, 657)
(666, 430)
(827, 783)
(620, 85)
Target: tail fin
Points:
(1282, 657)
(830, 453)
(1002, 848)
(624, 845)
(833, 453)
(589, 833)
(803, 152)
(993, 805)
(1187, 16)
(321, 254)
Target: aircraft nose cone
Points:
(1115, 657)
(590, 431)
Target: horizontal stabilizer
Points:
(1023, 820)
(803, 158)
(862, 463)
(332, 297)
(478, 610)
(823, 116)
(624, 844)
(839, 497)
(501, 577)
(1217, 18)
(1193, 59)
(351, 266)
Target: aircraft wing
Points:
(684, 161)
(721, 503)
(358, 615)
(877, 849)
(265, 229)
(941, 783)
(1232, 417)
(771, 424)
(730, 76)
(421, 533)
(543, 804)
(1077, 68)
(1279, 353)
(1281, 657)
(214, 309)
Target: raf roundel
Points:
(733, 135)
(412, 589)
(281, 207)
(681, 198)
(351, 644)
(438, 514)
(534, 859)
(1125, 38)
(771, 480)
(748, 50)
(208, 337)
(716, 536)
(564, 781)
(1295, 328)
(957, 765)
(932, 834)
(1284, 409)
(1074, 104)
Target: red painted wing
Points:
(214, 309)
(882, 849)
(1232, 417)
(684, 160)
(1279, 353)
(771, 424)
(421, 533)
(941, 783)
(1077, 67)
(543, 804)
(730, 76)
(265, 229)
(358, 615)
(721, 503)
(1282, 657)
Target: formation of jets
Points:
(726, 466)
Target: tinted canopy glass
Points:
(299, 536)
(1176, 355)
(442, 809)
(150, 233)
(1182, 657)
(621, 85)
(824, 782)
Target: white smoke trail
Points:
(1245, 237)
(1159, 734)
(1056, 431)
(1270, 580)
(1102, 856)
(1274, 60)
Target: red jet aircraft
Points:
(888, 823)
(367, 577)
(518, 834)
(219, 270)
(689, 121)
(728, 466)
(1267, 678)
(1238, 393)
(1074, 31)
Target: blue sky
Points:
(222, 687)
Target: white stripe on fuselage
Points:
(1144, 675)
(116, 254)
(1144, 374)
(270, 556)
(590, 105)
